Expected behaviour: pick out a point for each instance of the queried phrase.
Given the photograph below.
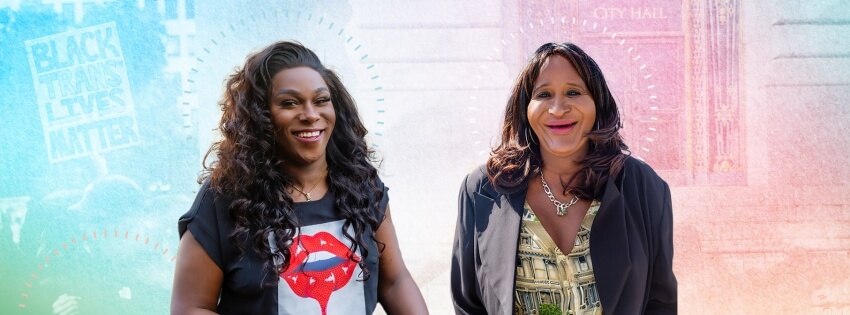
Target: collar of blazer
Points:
(497, 246)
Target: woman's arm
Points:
(197, 279)
(397, 291)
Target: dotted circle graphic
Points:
(54, 257)
(643, 71)
(307, 20)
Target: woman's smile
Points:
(309, 135)
(560, 126)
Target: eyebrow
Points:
(294, 92)
(545, 84)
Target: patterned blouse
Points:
(547, 280)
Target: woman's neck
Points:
(560, 166)
(308, 174)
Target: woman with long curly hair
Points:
(561, 220)
(291, 218)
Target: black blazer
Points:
(631, 244)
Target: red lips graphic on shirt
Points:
(319, 278)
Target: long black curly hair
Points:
(248, 170)
(517, 157)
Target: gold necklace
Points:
(307, 194)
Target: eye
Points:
(323, 101)
(543, 95)
(288, 103)
(573, 93)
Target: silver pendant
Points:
(562, 209)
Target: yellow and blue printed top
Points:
(549, 281)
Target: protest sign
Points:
(82, 91)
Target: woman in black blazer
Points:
(559, 219)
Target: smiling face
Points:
(303, 115)
(561, 111)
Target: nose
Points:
(310, 114)
(559, 107)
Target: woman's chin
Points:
(562, 150)
(304, 158)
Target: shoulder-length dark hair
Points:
(249, 171)
(517, 158)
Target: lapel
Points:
(609, 248)
(497, 222)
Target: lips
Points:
(319, 266)
(309, 135)
(561, 127)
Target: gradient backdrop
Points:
(108, 107)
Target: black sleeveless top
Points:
(321, 279)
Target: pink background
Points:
(739, 105)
